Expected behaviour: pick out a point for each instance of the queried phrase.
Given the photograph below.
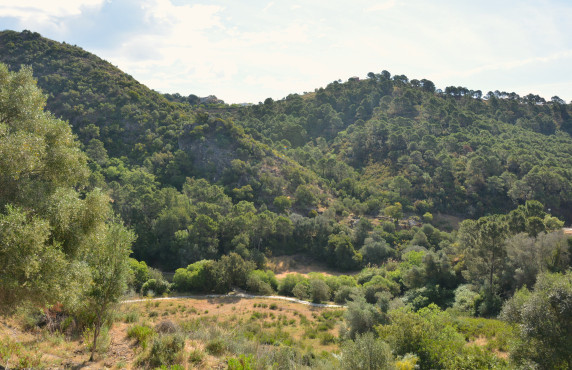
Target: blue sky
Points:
(246, 51)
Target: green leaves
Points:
(31, 267)
(544, 318)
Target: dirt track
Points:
(240, 295)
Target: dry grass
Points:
(229, 315)
(300, 264)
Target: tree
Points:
(109, 262)
(282, 203)
(484, 244)
(362, 317)
(47, 215)
(31, 268)
(528, 256)
(342, 252)
(395, 211)
(544, 323)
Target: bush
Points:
(343, 294)
(544, 335)
(327, 338)
(139, 274)
(256, 284)
(241, 363)
(141, 333)
(166, 349)
(287, 284)
(197, 276)
(302, 290)
(215, 347)
(157, 287)
(131, 317)
(366, 353)
(319, 291)
(361, 317)
(266, 276)
(166, 327)
(196, 356)
(465, 300)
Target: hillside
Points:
(143, 148)
(459, 151)
(439, 206)
(353, 149)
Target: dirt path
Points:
(239, 295)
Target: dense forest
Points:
(445, 199)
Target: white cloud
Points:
(268, 6)
(511, 64)
(381, 6)
(31, 8)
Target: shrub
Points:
(302, 290)
(158, 287)
(241, 363)
(544, 334)
(166, 349)
(287, 284)
(196, 356)
(141, 333)
(327, 338)
(256, 285)
(215, 347)
(131, 317)
(465, 300)
(139, 274)
(361, 316)
(196, 277)
(166, 327)
(343, 294)
(319, 291)
(366, 353)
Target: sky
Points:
(247, 51)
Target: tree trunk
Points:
(96, 330)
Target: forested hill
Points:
(166, 165)
(386, 139)
(311, 173)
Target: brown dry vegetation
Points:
(303, 326)
(301, 264)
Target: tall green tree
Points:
(483, 242)
(58, 239)
(44, 219)
(109, 262)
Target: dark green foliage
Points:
(342, 253)
(288, 283)
(319, 291)
(544, 319)
(262, 282)
(158, 287)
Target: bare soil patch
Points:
(301, 264)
